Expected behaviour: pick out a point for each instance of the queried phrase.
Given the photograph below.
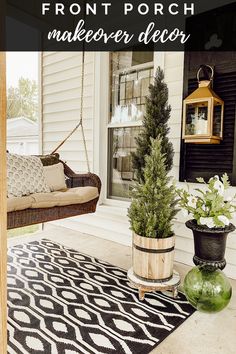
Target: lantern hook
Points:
(200, 69)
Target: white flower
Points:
(219, 187)
(208, 222)
(215, 177)
(223, 219)
(192, 202)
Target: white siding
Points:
(61, 99)
(173, 68)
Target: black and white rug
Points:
(61, 301)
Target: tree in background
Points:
(23, 100)
(155, 124)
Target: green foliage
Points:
(200, 180)
(155, 123)
(225, 180)
(20, 231)
(208, 206)
(153, 204)
(23, 100)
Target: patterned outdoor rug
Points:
(65, 302)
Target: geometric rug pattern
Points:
(61, 301)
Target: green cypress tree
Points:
(155, 123)
(153, 204)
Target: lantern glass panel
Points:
(217, 116)
(196, 118)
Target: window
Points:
(131, 75)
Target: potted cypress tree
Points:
(211, 213)
(155, 124)
(152, 209)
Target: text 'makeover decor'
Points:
(111, 25)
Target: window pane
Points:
(122, 143)
(141, 57)
(129, 87)
(131, 75)
(196, 119)
(217, 120)
(125, 60)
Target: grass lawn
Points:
(22, 231)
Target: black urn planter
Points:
(209, 244)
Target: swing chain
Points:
(81, 110)
(80, 124)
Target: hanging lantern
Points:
(203, 114)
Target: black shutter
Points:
(208, 160)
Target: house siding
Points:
(60, 105)
(173, 69)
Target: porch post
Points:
(101, 114)
(3, 210)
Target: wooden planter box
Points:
(153, 258)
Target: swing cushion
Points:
(19, 203)
(55, 177)
(78, 195)
(69, 196)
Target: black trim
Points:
(150, 250)
(154, 280)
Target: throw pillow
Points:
(55, 177)
(25, 176)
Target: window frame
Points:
(128, 124)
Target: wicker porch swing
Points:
(32, 216)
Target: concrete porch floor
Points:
(201, 333)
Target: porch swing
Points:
(30, 216)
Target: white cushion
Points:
(70, 196)
(19, 203)
(25, 176)
(55, 177)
